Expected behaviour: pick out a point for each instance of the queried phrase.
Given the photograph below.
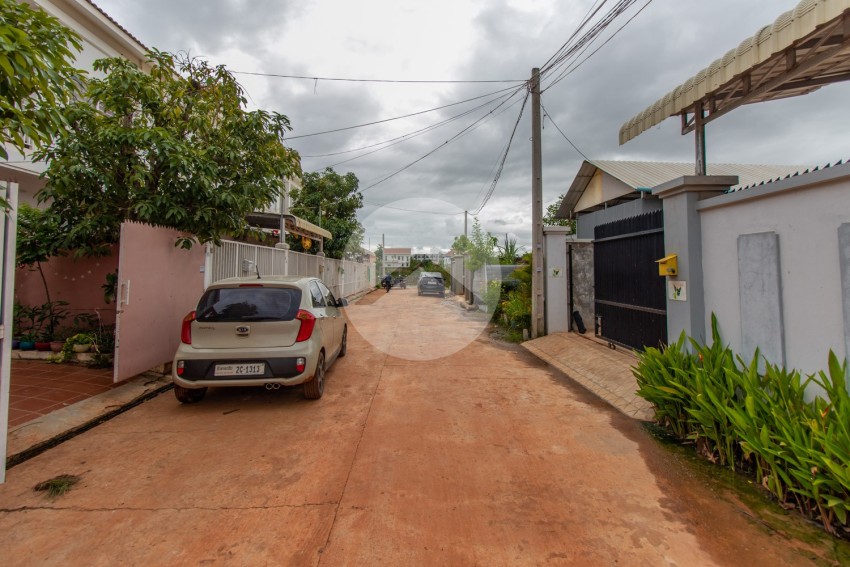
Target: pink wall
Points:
(77, 281)
(159, 284)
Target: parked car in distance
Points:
(271, 331)
(431, 282)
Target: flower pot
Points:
(16, 344)
(42, 346)
(56, 346)
(27, 345)
(81, 348)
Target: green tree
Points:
(36, 243)
(549, 218)
(461, 244)
(508, 251)
(174, 147)
(38, 76)
(338, 198)
(379, 258)
(478, 254)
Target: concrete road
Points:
(433, 445)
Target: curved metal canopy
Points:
(804, 49)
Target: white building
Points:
(101, 37)
(397, 257)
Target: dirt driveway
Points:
(433, 445)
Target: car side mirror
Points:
(342, 302)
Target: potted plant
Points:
(79, 343)
(27, 341)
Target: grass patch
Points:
(58, 485)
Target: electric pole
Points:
(537, 263)
(383, 256)
(465, 216)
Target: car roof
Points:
(299, 281)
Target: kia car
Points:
(431, 282)
(272, 331)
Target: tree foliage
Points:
(509, 250)
(338, 198)
(549, 219)
(478, 252)
(173, 147)
(38, 75)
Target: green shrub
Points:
(758, 422)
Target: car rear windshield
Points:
(434, 279)
(249, 304)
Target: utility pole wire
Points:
(416, 133)
(400, 117)
(397, 81)
(504, 158)
(464, 131)
(549, 116)
(572, 67)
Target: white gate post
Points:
(8, 238)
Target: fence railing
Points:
(234, 259)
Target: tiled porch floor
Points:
(38, 388)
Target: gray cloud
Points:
(664, 46)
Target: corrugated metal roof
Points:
(648, 174)
(804, 49)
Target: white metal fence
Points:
(232, 259)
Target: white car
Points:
(272, 331)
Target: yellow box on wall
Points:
(668, 265)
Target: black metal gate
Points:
(630, 295)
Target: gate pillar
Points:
(683, 237)
(556, 294)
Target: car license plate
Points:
(252, 369)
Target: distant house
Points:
(427, 256)
(604, 191)
(397, 257)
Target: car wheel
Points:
(189, 395)
(344, 346)
(314, 389)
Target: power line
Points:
(571, 68)
(492, 114)
(403, 137)
(464, 131)
(566, 54)
(587, 17)
(549, 116)
(401, 81)
(400, 117)
(504, 159)
(383, 205)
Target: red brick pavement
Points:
(38, 388)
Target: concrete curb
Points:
(34, 437)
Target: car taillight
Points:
(186, 330)
(308, 321)
(181, 367)
(300, 364)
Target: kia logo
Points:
(243, 330)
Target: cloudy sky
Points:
(420, 201)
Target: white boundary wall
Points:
(805, 213)
(234, 259)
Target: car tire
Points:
(189, 395)
(343, 348)
(314, 389)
